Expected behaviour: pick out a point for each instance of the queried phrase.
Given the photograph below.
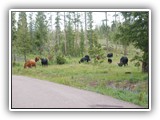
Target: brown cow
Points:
(31, 63)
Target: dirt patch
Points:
(125, 85)
(93, 83)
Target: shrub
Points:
(97, 53)
(60, 60)
(14, 64)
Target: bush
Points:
(97, 53)
(60, 60)
(14, 64)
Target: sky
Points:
(97, 18)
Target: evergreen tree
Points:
(49, 46)
(102, 30)
(140, 36)
(114, 35)
(76, 21)
(58, 32)
(31, 31)
(107, 41)
(41, 31)
(125, 41)
(85, 33)
(70, 35)
(65, 41)
(135, 29)
(23, 42)
(114, 27)
(82, 38)
(13, 36)
(90, 29)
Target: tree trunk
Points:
(25, 58)
(125, 49)
(65, 42)
(145, 67)
(85, 17)
(14, 60)
(106, 32)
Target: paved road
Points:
(33, 93)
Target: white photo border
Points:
(77, 109)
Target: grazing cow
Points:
(109, 55)
(44, 61)
(85, 58)
(109, 60)
(123, 61)
(31, 63)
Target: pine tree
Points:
(91, 35)
(23, 42)
(82, 38)
(124, 30)
(65, 41)
(70, 35)
(13, 36)
(85, 33)
(32, 31)
(58, 32)
(135, 29)
(41, 32)
(49, 46)
(103, 29)
(107, 41)
(140, 36)
(76, 21)
(90, 29)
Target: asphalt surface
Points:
(28, 92)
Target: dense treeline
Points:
(74, 34)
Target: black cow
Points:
(44, 61)
(109, 55)
(123, 61)
(85, 58)
(109, 60)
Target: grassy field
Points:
(125, 83)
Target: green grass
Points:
(104, 78)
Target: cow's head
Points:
(120, 64)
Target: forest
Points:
(65, 37)
(74, 35)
